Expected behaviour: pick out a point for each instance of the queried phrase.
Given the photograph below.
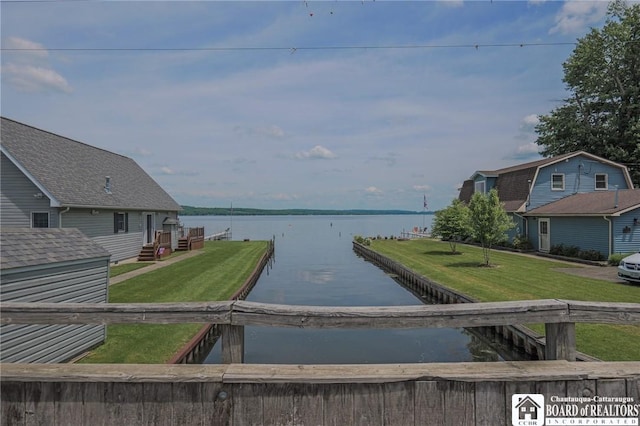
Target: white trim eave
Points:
(53, 201)
(122, 208)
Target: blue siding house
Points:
(576, 199)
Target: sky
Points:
(295, 104)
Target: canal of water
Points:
(315, 265)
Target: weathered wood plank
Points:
(633, 389)
(123, 403)
(308, 404)
(94, 407)
(69, 405)
(12, 400)
(579, 388)
(604, 312)
(490, 404)
(216, 404)
(463, 371)
(368, 404)
(338, 405)
(187, 403)
(457, 315)
(115, 313)
(560, 339)
(40, 403)
(163, 373)
(247, 406)
(232, 343)
(277, 402)
(429, 403)
(157, 404)
(399, 408)
(459, 404)
(611, 387)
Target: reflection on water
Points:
(315, 265)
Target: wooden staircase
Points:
(147, 254)
(183, 244)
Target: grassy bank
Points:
(516, 277)
(213, 275)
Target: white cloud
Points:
(26, 47)
(27, 68)
(576, 16)
(529, 123)
(167, 170)
(31, 78)
(372, 190)
(317, 152)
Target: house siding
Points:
(586, 233)
(626, 242)
(121, 246)
(17, 198)
(579, 176)
(78, 281)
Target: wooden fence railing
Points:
(559, 317)
(250, 394)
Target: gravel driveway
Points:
(606, 273)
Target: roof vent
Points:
(107, 184)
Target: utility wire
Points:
(296, 48)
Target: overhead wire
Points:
(288, 48)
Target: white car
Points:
(629, 268)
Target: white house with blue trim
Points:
(576, 199)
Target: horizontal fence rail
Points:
(559, 317)
(252, 313)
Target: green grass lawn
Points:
(116, 270)
(213, 275)
(516, 277)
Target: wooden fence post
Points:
(560, 341)
(232, 343)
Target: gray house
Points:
(575, 199)
(50, 265)
(49, 181)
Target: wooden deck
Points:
(248, 394)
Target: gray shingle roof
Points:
(74, 173)
(40, 246)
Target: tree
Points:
(452, 223)
(489, 221)
(602, 113)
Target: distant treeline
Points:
(241, 211)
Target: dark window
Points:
(120, 222)
(601, 181)
(39, 219)
(557, 182)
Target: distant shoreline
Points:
(227, 211)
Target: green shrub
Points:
(521, 242)
(590, 255)
(615, 258)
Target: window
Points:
(120, 222)
(479, 187)
(39, 219)
(557, 182)
(602, 181)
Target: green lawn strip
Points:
(516, 277)
(116, 270)
(213, 275)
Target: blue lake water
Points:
(315, 265)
